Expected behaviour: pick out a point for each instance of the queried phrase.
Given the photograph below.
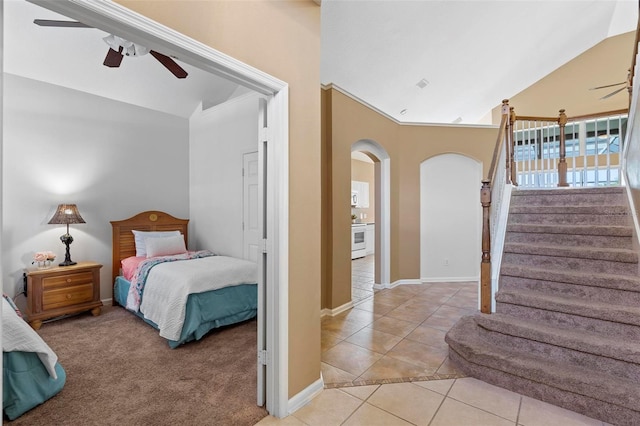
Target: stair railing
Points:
(492, 186)
(543, 157)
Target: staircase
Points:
(567, 323)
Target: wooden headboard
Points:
(152, 220)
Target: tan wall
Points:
(407, 146)
(365, 172)
(281, 38)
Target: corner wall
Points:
(110, 158)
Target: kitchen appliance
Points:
(354, 198)
(358, 240)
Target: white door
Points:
(251, 211)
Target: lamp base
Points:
(67, 263)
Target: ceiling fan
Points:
(119, 48)
(626, 85)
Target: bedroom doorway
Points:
(116, 19)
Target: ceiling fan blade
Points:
(608, 85)
(53, 23)
(113, 58)
(613, 93)
(169, 64)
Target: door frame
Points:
(117, 19)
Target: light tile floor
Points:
(449, 402)
(385, 362)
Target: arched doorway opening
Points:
(382, 208)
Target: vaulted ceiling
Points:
(453, 61)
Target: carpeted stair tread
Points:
(563, 192)
(568, 305)
(575, 339)
(610, 281)
(612, 210)
(467, 343)
(609, 254)
(604, 230)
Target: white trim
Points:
(450, 279)
(305, 396)
(335, 311)
(114, 18)
(107, 302)
(396, 283)
(402, 123)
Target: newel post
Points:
(562, 163)
(485, 266)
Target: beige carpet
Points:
(120, 371)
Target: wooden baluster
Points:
(512, 121)
(562, 163)
(485, 266)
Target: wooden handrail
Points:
(485, 199)
(632, 70)
(499, 140)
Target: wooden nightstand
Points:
(63, 290)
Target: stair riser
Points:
(568, 219)
(595, 294)
(561, 319)
(588, 406)
(569, 240)
(613, 199)
(571, 264)
(622, 369)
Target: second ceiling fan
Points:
(119, 48)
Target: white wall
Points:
(219, 137)
(450, 218)
(111, 159)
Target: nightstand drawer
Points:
(51, 283)
(67, 296)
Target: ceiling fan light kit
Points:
(119, 48)
(128, 48)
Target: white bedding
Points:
(169, 284)
(17, 335)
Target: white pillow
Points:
(139, 237)
(165, 246)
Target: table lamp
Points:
(66, 214)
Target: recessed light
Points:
(403, 112)
(422, 83)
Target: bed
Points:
(223, 289)
(31, 373)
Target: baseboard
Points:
(450, 279)
(335, 311)
(305, 396)
(106, 302)
(395, 284)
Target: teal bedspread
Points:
(26, 382)
(205, 311)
